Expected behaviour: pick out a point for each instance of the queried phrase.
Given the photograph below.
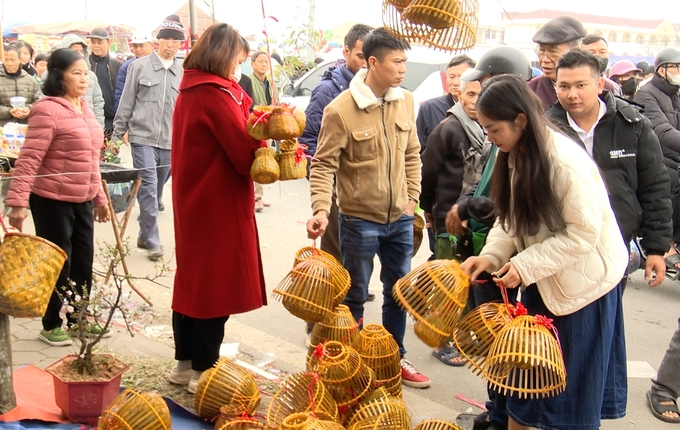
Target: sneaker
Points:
(55, 337)
(141, 244)
(193, 385)
(90, 330)
(259, 205)
(180, 377)
(161, 207)
(411, 377)
(370, 297)
(155, 253)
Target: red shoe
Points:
(411, 377)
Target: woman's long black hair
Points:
(533, 202)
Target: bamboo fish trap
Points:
(339, 326)
(437, 425)
(435, 294)
(377, 402)
(301, 392)
(340, 275)
(241, 424)
(380, 352)
(418, 227)
(307, 421)
(134, 409)
(265, 168)
(226, 383)
(307, 291)
(384, 421)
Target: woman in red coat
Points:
(219, 269)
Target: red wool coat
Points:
(219, 267)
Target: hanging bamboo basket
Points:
(437, 425)
(380, 352)
(226, 383)
(339, 326)
(257, 125)
(418, 227)
(265, 169)
(475, 332)
(526, 360)
(282, 124)
(340, 275)
(307, 291)
(292, 166)
(301, 392)
(435, 294)
(376, 403)
(133, 409)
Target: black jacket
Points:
(430, 114)
(443, 164)
(628, 154)
(108, 91)
(662, 106)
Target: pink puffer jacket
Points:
(62, 142)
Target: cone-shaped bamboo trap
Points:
(226, 383)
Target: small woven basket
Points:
(418, 227)
(300, 117)
(292, 166)
(384, 421)
(257, 125)
(526, 359)
(240, 424)
(342, 371)
(30, 266)
(339, 325)
(340, 275)
(380, 352)
(282, 124)
(307, 421)
(307, 291)
(288, 145)
(301, 392)
(226, 383)
(134, 409)
(265, 169)
(376, 403)
(475, 332)
(437, 425)
(435, 294)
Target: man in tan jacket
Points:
(368, 141)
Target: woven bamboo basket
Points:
(475, 332)
(30, 266)
(341, 370)
(292, 166)
(339, 326)
(257, 125)
(134, 409)
(435, 294)
(307, 291)
(384, 421)
(301, 392)
(399, 4)
(240, 424)
(300, 117)
(288, 145)
(526, 359)
(340, 275)
(282, 124)
(437, 425)
(265, 169)
(226, 383)
(376, 403)
(423, 24)
(380, 352)
(307, 421)
(418, 227)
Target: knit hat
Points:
(171, 28)
(72, 39)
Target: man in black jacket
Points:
(106, 68)
(621, 142)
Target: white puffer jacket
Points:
(575, 266)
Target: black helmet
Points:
(502, 60)
(666, 56)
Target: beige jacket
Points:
(372, 150)
(581, 263)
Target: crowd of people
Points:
(538, 185)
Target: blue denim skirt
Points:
(594, 349)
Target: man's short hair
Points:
(357, 32)
(593, 38)
(257, 54)
(579, 58)
(379, 42)
(460, 59)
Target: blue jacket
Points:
(120, 82)
(430, 114)
(334, 81)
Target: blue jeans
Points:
(360, 241)
(153, 178)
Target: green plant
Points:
(110, 151)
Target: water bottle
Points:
(9, 136)
(19, 138)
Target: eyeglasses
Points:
(673, 66)
(550, 54)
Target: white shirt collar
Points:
(587, 137)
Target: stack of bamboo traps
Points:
(133, 409)
(380, 352)
(339, 326)
(435, 294)
(226, 384)
(301, 392)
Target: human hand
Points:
(101, 213)
(125, 138)
(655, 270)
(454, 225)
(410, 209)
(474, 266)
(507, 276)
(17, 216)
(19, 113)
(429, 219)
(316, 226)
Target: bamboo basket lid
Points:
(437, 425)
(435, 294)
(226, 383)
(307, 421)
(380, 352)
(341, 280)
(307, 291)
(342, 371)
(133, 409)
(301, 392)
(526, 359)
(375, 403)
(475, 332)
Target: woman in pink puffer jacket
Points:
(57, 173)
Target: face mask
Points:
(604, 62)
(629, 86)
(673, 79)
(237, 73)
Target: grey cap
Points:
(98, 33)
(560, 30)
